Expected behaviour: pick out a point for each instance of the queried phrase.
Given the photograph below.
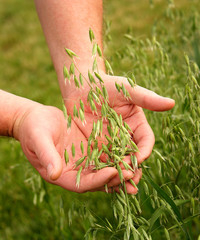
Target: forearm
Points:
(12, 109)
(66, 25)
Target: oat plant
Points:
(117, 145)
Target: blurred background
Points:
(33, 209)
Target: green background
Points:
(33, 209)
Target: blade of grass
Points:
(163, 195)
(184, 221)
(156, 215)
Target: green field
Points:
(149, 39)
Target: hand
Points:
(131, 110)
(43, 135)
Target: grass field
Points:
(150, 40)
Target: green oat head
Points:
(119, 138)
(130, 223)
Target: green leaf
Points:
(156, 215)
(164, 195)
(185, 221)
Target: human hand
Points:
(131, 110)
(43, 135)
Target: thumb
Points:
(148, 99)
(140, 96)
(49, 157)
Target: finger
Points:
(130, 188)
(142, 97)
(99, 179)
(143, 135)
(49, 157)
(126, 159)
(138, 174)
(144, 138)
(150, 100)
(116, 180)
(89, 181)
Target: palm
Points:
(44, 136)
(68, 176)
(130, 110)
(91, 180)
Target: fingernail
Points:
(50, 170)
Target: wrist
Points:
(19, 117)
(82, 65)
(12, 110)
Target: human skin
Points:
(43, 135)
(66, 25)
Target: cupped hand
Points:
(43, 134)
(130, 109)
